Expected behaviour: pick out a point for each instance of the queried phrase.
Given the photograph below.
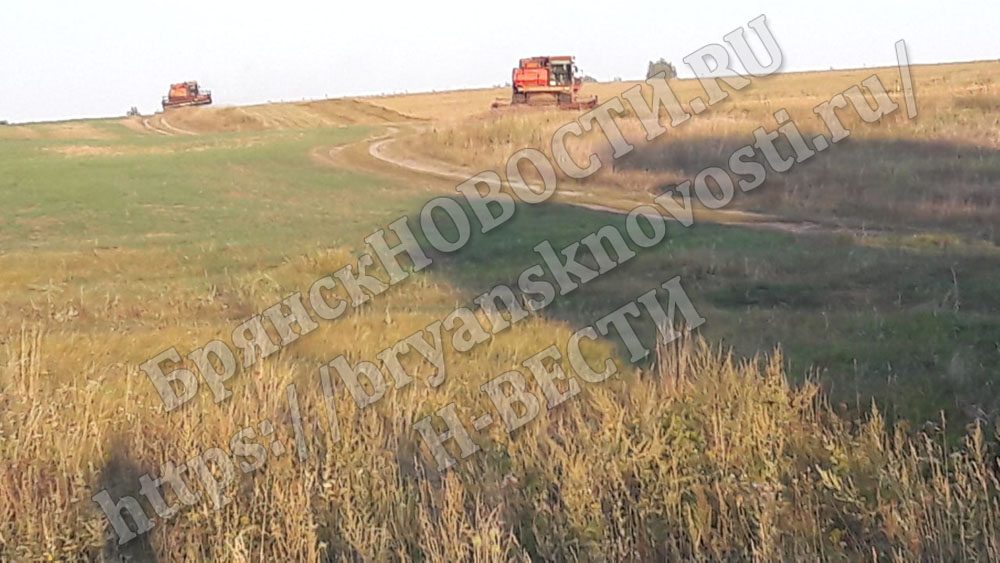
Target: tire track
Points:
(147, 125)
(165, 123)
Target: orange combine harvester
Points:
(547, 81)
(186, 94)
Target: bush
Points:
(661, 66)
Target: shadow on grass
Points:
(917, 329)
(120, 477)
(885, 183)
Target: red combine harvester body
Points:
(186, 94)
(546, 81)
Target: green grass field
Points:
(910, 322)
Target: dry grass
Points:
(58, 131)
(936, 171)
(303, 115)
(213, 119)
(698, 458)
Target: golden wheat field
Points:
(835, 403)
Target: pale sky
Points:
(92, 58)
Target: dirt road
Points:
(380, 153)
(380, 149)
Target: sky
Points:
(96, 58)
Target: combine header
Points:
(547, 81)
(186, 94)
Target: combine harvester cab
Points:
(547, 81)
(186, 94)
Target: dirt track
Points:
(379, 150)
(165, 123)
(149, 126)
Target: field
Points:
(838, 403)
